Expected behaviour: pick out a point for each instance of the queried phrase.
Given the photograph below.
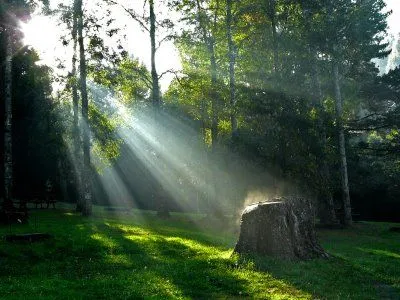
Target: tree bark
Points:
(347, 220)
(325, 198)
(326, 209)
(214, 98)
(272, 16)
(8, 159)
(232, 61)
(62, 180)
(87, 203)
(281, 228)
(156, 97)
(162, 205)
(75, 102)
(210, 44)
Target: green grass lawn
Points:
(140, 256)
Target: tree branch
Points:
(165, 38)
(132, 13)
(170, 71)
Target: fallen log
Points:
(28, 237)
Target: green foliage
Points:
(284, 103)
(284, 55)
(106, 143)
(132, 82)
(129, 80)
(127, 84)
(37, 128)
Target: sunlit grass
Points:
(132, 257)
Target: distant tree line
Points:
(288, 86)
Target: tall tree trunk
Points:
(347, 220)
(326, 209)
(154, 76)
(272, 16)
(203, 113)
(282, 141)
(75, 102)
(162, 205)
(210, 44)
(87, 203)
(62, 180)
(8, 159)
(232, 60)
(214, 97)
(325, 198)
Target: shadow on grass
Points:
(124, 258)
(194, 269)
(364, 264)
(109, 259)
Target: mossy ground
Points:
(138, 255)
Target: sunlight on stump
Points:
(281, 228)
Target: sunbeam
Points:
(164, 165)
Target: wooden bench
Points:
(44, 201)
(117, 209)
(37, 202)
(28, 237)
(20, 205)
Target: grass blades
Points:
(184, 257)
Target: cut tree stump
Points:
(283, 227)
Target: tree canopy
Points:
(275, 96)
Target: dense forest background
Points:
(274, 97)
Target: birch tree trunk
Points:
(210, 44)
(161, 195)
(272, 16)
(232, 61)
(347, 220)
(214, 97)
(209, 41)
(154, 75)
(87, 203)
(8, 159)
(75, 102)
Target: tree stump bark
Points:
(281, 228)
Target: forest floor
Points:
(138, 255)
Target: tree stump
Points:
(281, 228)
